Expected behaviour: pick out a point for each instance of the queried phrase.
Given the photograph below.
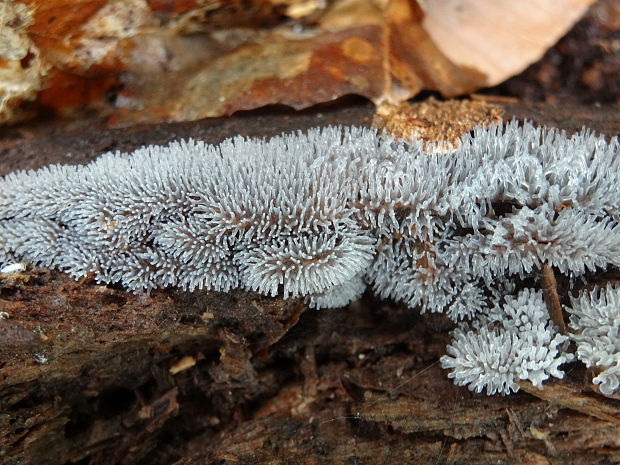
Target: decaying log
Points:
(93, 374)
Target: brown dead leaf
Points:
(22, 71)
(199, 58)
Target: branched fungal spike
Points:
(518, 342)
(322, 215)
(339, 295)
(596, 318)
(304, 266)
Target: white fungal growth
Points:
(340, 295)
(13, 268)
(323, 215)
(304, 265)
(513, 342)
(596, 318)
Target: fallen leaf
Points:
(201, 58)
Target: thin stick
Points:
(552, 299)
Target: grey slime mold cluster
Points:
(325, 214)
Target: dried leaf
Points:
(199, 58)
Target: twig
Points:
(552, 299)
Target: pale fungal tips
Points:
(327, 214)
(13, 268)
(514, 342)
(595, 319)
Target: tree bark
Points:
(91, 374)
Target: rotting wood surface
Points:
(93, 375)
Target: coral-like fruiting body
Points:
(596, 318)
(301, 214)
(323, 214)
(513, 342)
